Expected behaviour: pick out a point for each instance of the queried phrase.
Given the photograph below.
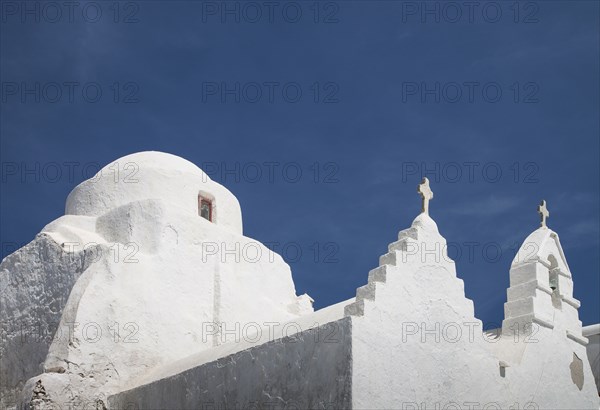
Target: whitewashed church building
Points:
(147, 295)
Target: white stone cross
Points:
(426, 195)
(544, 213)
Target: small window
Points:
(205, 208)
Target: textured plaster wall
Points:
(36, 283)
(416, 343)
(153, 279)
(593, 350)
(308, 370)
(409, 339)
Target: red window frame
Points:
(203, 201)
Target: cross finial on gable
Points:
(544, 213)
(426, 195)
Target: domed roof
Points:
(175, 181)
(160, 160)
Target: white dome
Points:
(154, 175)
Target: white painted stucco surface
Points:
(417, 344)
(132, 258)
(592, 333)
(157, 277)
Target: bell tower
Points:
(541, 286)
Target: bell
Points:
(553, 281)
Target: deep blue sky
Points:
(367, 129)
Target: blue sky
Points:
(497, 105)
